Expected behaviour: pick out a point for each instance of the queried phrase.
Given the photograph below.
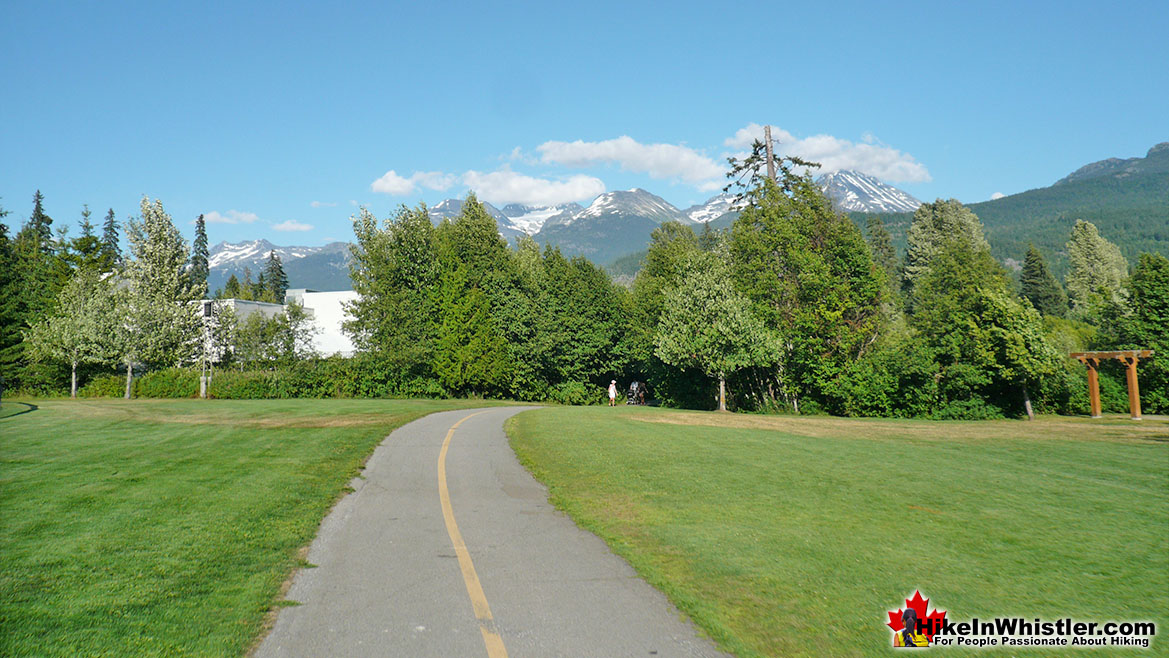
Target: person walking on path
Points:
(613, 393)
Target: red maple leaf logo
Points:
(930, 623)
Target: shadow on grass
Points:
(6, 409)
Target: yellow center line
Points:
(491, 639)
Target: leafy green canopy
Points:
(706, 325)
(811, 279)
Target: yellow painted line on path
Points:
(491, 639)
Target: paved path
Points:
(496, 572)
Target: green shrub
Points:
(104, 386)
(168, 383)
(577, 393)
(237, 385)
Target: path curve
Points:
(391, 579)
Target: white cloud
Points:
(292, 225)
(660, 161)
(835, 154)
(230, 217)
(506, 186)
(323, 204)
(395, 185)
(997, 195)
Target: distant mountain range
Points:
(318, 268)
(1128, 199)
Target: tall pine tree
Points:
(111, 250)
(199, 268)
(1040, 287)
(10, 306)
(274, 280)
(41, 223)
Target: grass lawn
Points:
(148, 527)
(787, 536)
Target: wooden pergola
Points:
(1129, 358)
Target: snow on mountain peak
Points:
(855, 191)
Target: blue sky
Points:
(276, 119)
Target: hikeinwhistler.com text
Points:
(1020, 632)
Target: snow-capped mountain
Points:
(614, 224)
(253, 254)
(451, 208)
(530, 219)
(853, 191)
(318, 268)
(636, 202)
(714, 208)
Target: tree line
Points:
(72, 308)
(793, 308)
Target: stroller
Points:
(636, 393)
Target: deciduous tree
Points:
(705, 324)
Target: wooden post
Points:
(1093, 388)
(1134, 391)
(770, 154)
(1129, 358)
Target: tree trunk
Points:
(73, 384)
(1027, 403)
(129, 378)
(722, 392)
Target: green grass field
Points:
(146, 527)
(793, 536)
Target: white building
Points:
(326, 310)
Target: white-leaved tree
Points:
(158, 323)
(705, 324)
(79, 328)
(1098, 270)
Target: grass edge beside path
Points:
(795, 535)
(161, 527)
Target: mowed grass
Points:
(138, 528)
(788, 536)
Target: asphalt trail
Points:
(501, 573)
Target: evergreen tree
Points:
(111, 250)
(273, 279)
(231, 289)
(884, 255)
(811, 279)
(41, 223)
(11, 307)
(199, 255)
(1040, 287)
(934, 226)
(85, 251)
(991, 350)
(1145, 326)
(471, 355)
(1098, 270)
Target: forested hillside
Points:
(1128, 203)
